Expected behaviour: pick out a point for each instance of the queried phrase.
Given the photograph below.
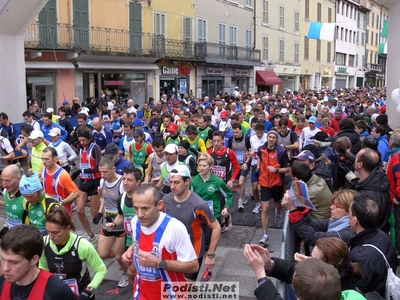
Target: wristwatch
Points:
(211, 255)
(277, 170)
(163, 264)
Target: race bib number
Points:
(210, 204)
(219, 171)
(73, 285)
(240, 156)
(128, 225)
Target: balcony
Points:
(107, 41)
(374, 67)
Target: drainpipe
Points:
(254, 25)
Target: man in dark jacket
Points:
(364, 219)
(347, 128)
(374, 183)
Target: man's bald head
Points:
(369, 159)
(12, 170)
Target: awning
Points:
(267, 78)
(48, 65)
(116, 66)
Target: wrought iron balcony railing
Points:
(123, 42)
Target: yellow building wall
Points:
(174, 12)
(109, 14)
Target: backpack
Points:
(392, 281)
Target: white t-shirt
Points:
(306, 135)
(255, 143)
(64, 151)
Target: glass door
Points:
(44, 94)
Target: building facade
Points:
(317, 56)
(225, 42)
(375, 62)
(346, 45)
(360, 63)
(278, 38)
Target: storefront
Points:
(119, 81)
(175, 81)
(212, 81)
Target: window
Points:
(371, 54)
(282, 16)
(233, 37)
(307, 9)
(281, 50)
(248, 38)
(248, 35)
(340, 59)
(187, 29)
(373, 20)
(202, 30)
(376, 39)
(296, 21)
(221, 33)
(265, 11)
(358, 38)
(354, 37)
(366, 58)
(319, 8)
(306, 48)
(351, 60)
(338, 7)
(358, 20)
(345, 35)
(265, 54)
(366, 36)
(377, 21)
(329, 15)
(159, 23)
(328, 52)
(249, 3)
(318, 50)
(357, 60)
(372, 38)
(233, 34)
(363, 61)
(363, 38)
(296, 53)
(342, 34)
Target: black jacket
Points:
(311, 230)
(377, 186)
(372, 263)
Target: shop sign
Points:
(175, 71)
(115, 82)
(241, 72)
(214, 71)
(342, 69)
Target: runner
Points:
(173, 254)
(66, 255)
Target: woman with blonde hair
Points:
(311, 230)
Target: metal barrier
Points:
(287, 253)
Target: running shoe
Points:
(91, 238)
(124, 281)
(240, 205)
(246, 198)
(257, 209)
(207, 275)
(264, 241)
(228, 223)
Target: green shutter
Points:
(385, 28)
(81, 23)
(48, 25)
(135, 27)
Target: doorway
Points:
(44, 94)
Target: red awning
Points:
(267, 78)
